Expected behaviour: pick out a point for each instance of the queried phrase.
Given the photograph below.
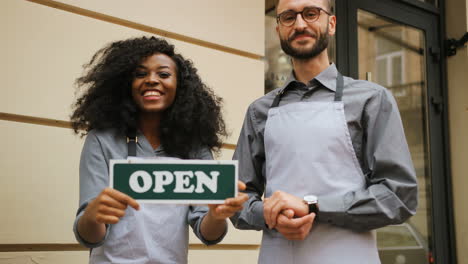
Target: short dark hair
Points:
(193, 121)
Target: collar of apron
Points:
(338, 92)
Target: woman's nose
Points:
(152, 78)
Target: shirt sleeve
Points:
(195, 218)
(250, 154)
(390, 196)
(198, 212)
(93, 179)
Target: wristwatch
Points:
(312, 203)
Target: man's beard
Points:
(320, 45)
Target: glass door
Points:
(397, 46)
(393, 55)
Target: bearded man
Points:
(328, 154)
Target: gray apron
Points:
(157, 233)
(309, 151)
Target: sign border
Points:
(137, 160)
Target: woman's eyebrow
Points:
(160, 67)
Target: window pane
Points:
(397, 71)
(388, 39)
(395, 54)
(382, 72)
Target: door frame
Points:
(428, 19)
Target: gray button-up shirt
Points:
(379, 142)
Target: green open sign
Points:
(175, 181)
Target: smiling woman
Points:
(141, 89)
(142, 79)
(154, 84)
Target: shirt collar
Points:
(289, 82)
(327, 78)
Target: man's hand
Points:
(230, 206)
(109, 206)
(294, 228)
(279, 201)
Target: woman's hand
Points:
(107, 208)
(214, 223)
(230, 205)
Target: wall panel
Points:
(223, 256)
(74, 257)
(457, 79)
(234, 23)
(43, 48)
(39, 183)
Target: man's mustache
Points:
(301, 33)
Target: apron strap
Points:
(338, 93)
(277, 98)
(132, 139)
(339, 87)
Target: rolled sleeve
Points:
(198, 212)
(195, 218)
(77, 235)
(251, 156)
(93, 179)
(252, 216)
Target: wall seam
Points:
(58, 123)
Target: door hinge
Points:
(451, 45)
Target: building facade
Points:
(400, 44)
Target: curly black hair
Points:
(194, 119)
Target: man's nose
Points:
(300, 23)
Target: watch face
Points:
(311, 199)
(313, 208)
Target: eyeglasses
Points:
(309, 14)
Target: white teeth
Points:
(152, 93)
